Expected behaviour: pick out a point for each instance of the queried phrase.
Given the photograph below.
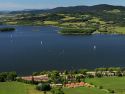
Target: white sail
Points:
(94, 47)
(11, 36)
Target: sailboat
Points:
(94, 47)
(11, 36)
(42, 43)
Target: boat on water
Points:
(11, 36)
(94, 47)
(42, 44)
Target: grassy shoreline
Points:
(117, 30)
(103, 86)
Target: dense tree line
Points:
(46, 17)
(6, 29)
(77, 31)
(8, 76)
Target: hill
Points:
(75, 9)
(102, 18)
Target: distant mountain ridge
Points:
(94, 8)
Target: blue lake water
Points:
(37, 48)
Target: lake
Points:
(37, 48)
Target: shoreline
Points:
(94, 33)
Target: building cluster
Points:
(39, 78)
(105, 73)
(80, 84)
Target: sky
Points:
(45, 4)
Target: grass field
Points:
(84, 90)
(17, 88)
(120, 30)
(50, 22)
(21, 88)
(68, 18)
(97, 20)
(74, 25)
(114, 83)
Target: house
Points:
(91, 73)
(56, 85)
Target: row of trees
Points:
(46, 17)
(77, 31)
(8, 76)
(83, 71)
(110, 69)
(80, 71)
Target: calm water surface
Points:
(33, 48)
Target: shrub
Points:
(100, 87)
(111, 91)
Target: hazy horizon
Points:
(11, 5)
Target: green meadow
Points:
(17, 88)
(110, 83)
(117, 84)
(84, 90)
(120, 30)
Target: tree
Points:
(99, 75)
(2, 79)
(3, 76)
(100, 69)
(74, 72)
(78, 78)
(8, 76)
(119, 74)
(55, 77)
(35, 73)
(11, 76)
(65, 72)
(43, 87)
(114, 69)
(83, 71)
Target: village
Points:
(71, 79)
(68, 82)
